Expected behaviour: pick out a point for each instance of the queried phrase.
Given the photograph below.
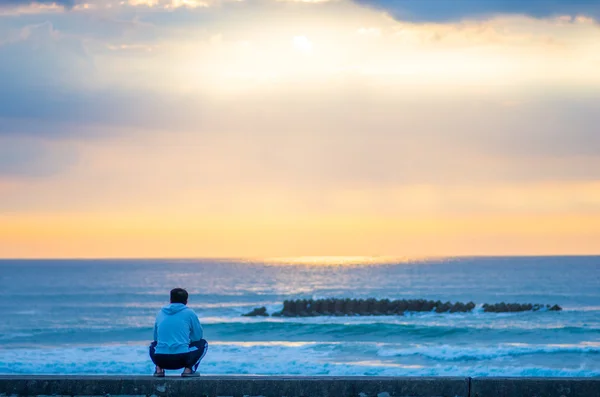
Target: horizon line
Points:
(298, 259)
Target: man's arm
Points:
(196, 332)
(155, 332)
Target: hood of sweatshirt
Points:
(173, 308)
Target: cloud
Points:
(367, 100)
(38, 55)
(315, 138)
(436, 10)
(28, 157)
(65, 3)
(330, 117)
(407, 10)
(28, 7)
(39, 67)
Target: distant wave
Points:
(311, 329)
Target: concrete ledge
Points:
(238, 386)
(535, 387)
(253, 386)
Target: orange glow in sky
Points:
(305, 129)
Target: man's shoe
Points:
(190, 374)
(159, 374)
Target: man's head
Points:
(179, 295)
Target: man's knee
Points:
(197, 355)
(152, 349)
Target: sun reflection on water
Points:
(340, 260)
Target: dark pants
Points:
(189, 360)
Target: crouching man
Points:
(178, 339)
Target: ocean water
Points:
(96, 317)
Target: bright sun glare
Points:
(335, 260)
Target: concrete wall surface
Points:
(535, 387)
(238, 386)
(252, 386)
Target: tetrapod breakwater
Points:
(387, 307)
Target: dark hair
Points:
(179, 295)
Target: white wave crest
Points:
(305, 358)
(468, 353)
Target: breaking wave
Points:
(309, 358)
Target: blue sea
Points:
(96, 316)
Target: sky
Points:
(281, 128)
